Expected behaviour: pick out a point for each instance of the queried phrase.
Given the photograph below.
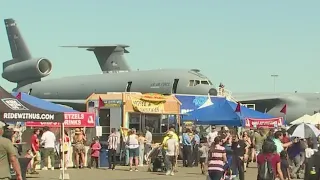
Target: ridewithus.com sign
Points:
(28, 116)
(15, 105)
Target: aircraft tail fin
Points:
(110, 57)
(19, 49)
(22, 69)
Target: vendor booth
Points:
(135, 110)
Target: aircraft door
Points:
(104, 122)
(128, 87)
(175, 86)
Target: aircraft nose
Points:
(213, 92)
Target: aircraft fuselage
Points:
(153, 81)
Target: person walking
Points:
(48, 140)
(195, 151)
(112, 148)
(35, 148)
(171, 152)
(8, 156)
(187, 148)
(216, 159)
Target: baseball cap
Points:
(2, 124)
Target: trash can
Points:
(24, 166)
(103, 158)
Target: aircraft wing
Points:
(79, 105)
(105, 46)
(263, 102)
(61, 101)
(257, 97)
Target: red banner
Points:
(71, 120)
(266, 123)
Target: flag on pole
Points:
(19, 95)
(284, 109)
(101, 103)
(238, 108)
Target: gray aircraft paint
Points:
(72, 91)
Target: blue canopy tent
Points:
(220, 113)
(223, 113)
(43, 104)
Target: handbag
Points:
(65, 147)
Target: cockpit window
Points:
(205, 82)
(196, 82)
(210, 82)
(191, 82)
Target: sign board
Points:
(147, 106)
(153, 97)
(71, 120)
(266, 123)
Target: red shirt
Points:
(35, 142)
(274, 160)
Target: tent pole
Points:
(63, 158)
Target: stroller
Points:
(156, 159)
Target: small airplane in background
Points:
(117, 76)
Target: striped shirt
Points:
(216, 159)
(113, 141)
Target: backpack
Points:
(265, 171)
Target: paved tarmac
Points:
(122, 173)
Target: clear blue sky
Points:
(239, 43)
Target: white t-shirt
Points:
(211, 136)
(133, 141)
(48, 139)
(172, 144)
(148, 137)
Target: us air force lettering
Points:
(15, 105)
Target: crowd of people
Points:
(221, 153)
(230, 153)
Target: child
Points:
(95, 152)
(285, 165)
(29, 155)
(203, 152)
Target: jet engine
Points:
(28, 70)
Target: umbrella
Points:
(304, 131)
(303, 119)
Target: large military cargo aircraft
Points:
(27, 72)
(117, 76)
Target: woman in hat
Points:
(79, 148)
